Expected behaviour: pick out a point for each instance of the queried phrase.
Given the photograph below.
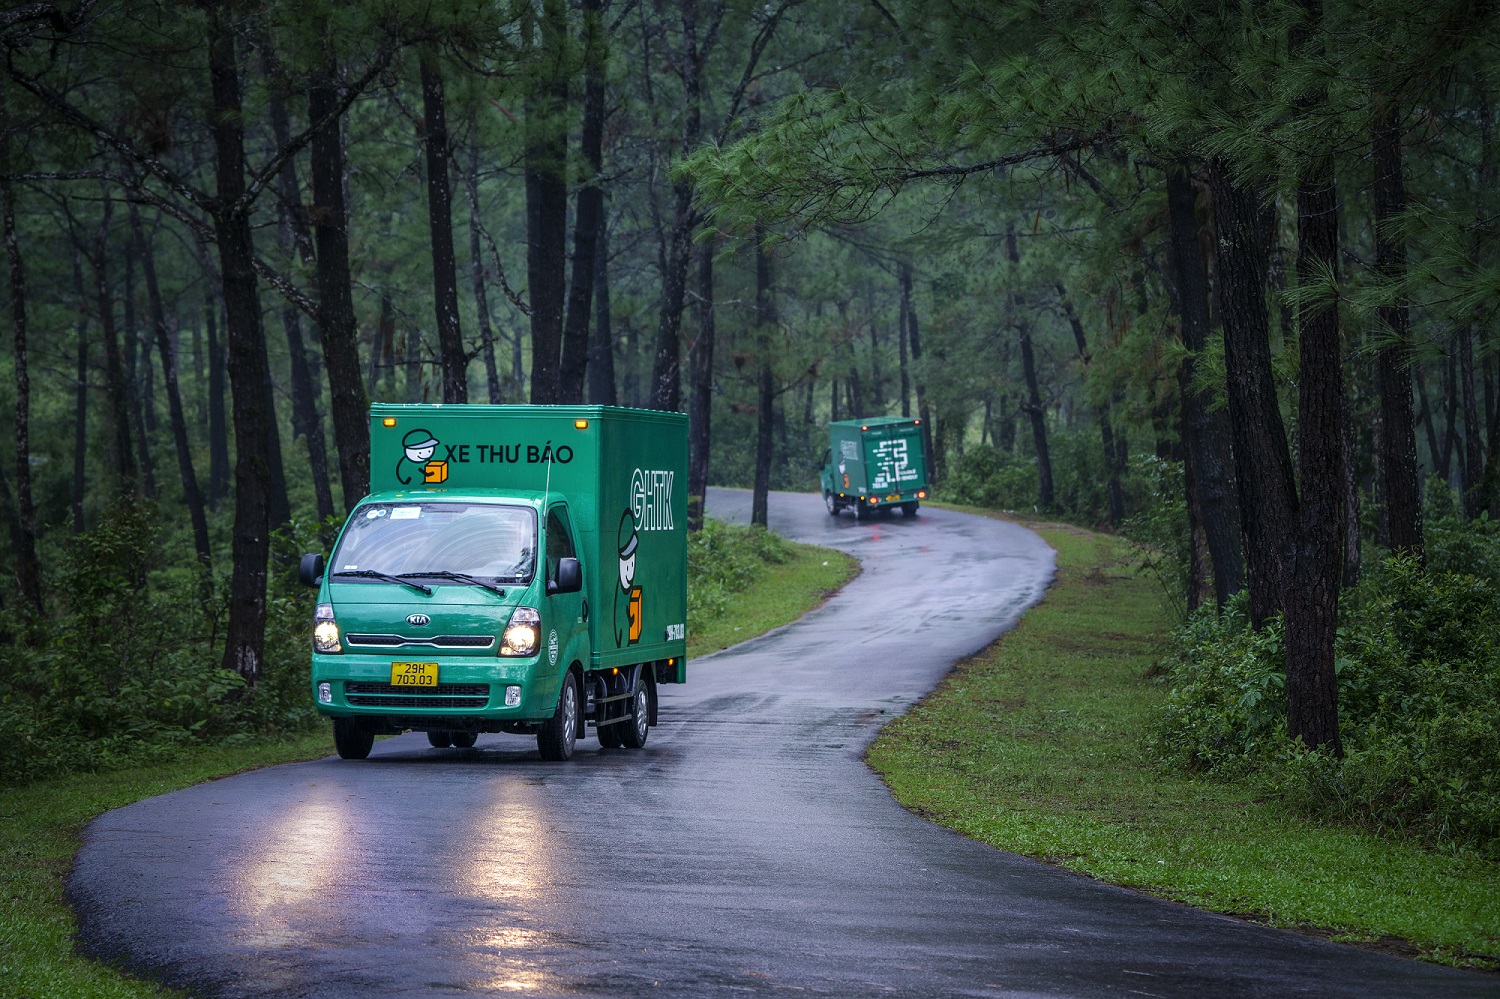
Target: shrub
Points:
(1418, 665)
(722, 560)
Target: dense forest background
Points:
(1222, 276)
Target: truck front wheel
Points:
(554, 740)
(352, 738)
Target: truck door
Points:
(566, 621)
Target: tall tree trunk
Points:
(440, 226)
(191, 495)
(700, 409)
(1206, 432)
(476, 274)
(1263, 461)
(546, 157)
(348, 403)
(601, 372)
(666, 390)
(296, 240)
(244, 643)
(218, 428)
(589, 216)
(1114, 488)
(902, 346)
(80, 403)
(140, 404)
(114, 369)
(1034, 408)
(1312, 617)
(1473, 444)
(28, 566)
(765, 321)
(914, 344)
(1398, 438)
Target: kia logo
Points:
(418, 620)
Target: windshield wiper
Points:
(385, 577)
(460, 577)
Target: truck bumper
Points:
(468, 687)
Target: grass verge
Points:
(779, 595)
(1035, 746)
(40, 823)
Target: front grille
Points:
(450, 703)
(444, 695)
(441, 690)
(436, 642)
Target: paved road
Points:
(746, 849)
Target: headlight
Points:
(522, 633)
(325, 630)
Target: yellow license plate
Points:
(893, 497)
(414, 674)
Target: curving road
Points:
(746, 849)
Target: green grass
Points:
(40, 823)
(1036, 746)
(779, 595)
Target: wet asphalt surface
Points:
(746, 850)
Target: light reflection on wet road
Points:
(746, 849)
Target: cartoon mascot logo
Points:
(417, 447)
(628, 597)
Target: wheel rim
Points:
(570, 714)
(642, 720)
(828, 499)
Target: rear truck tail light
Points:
(522, 633)
(921, 494)
(325, 630)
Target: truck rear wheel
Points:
(633, 733)
(352, 738)
(554, 740)
(833, 504)
(861, 512)
(910, 509)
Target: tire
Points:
(464, 740)
(440, 740)
(910, 509)
(633, 733)
(833, 504)
(609, 736)
(861, 511)
(352, 738)
(555, 739)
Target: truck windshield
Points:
(484, 540)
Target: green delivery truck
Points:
(515, 569)
(873, 465)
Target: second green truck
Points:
(874, 465)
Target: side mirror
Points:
(569, 577)
(311, 570)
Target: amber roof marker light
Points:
(389, 421)
(581, 424)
